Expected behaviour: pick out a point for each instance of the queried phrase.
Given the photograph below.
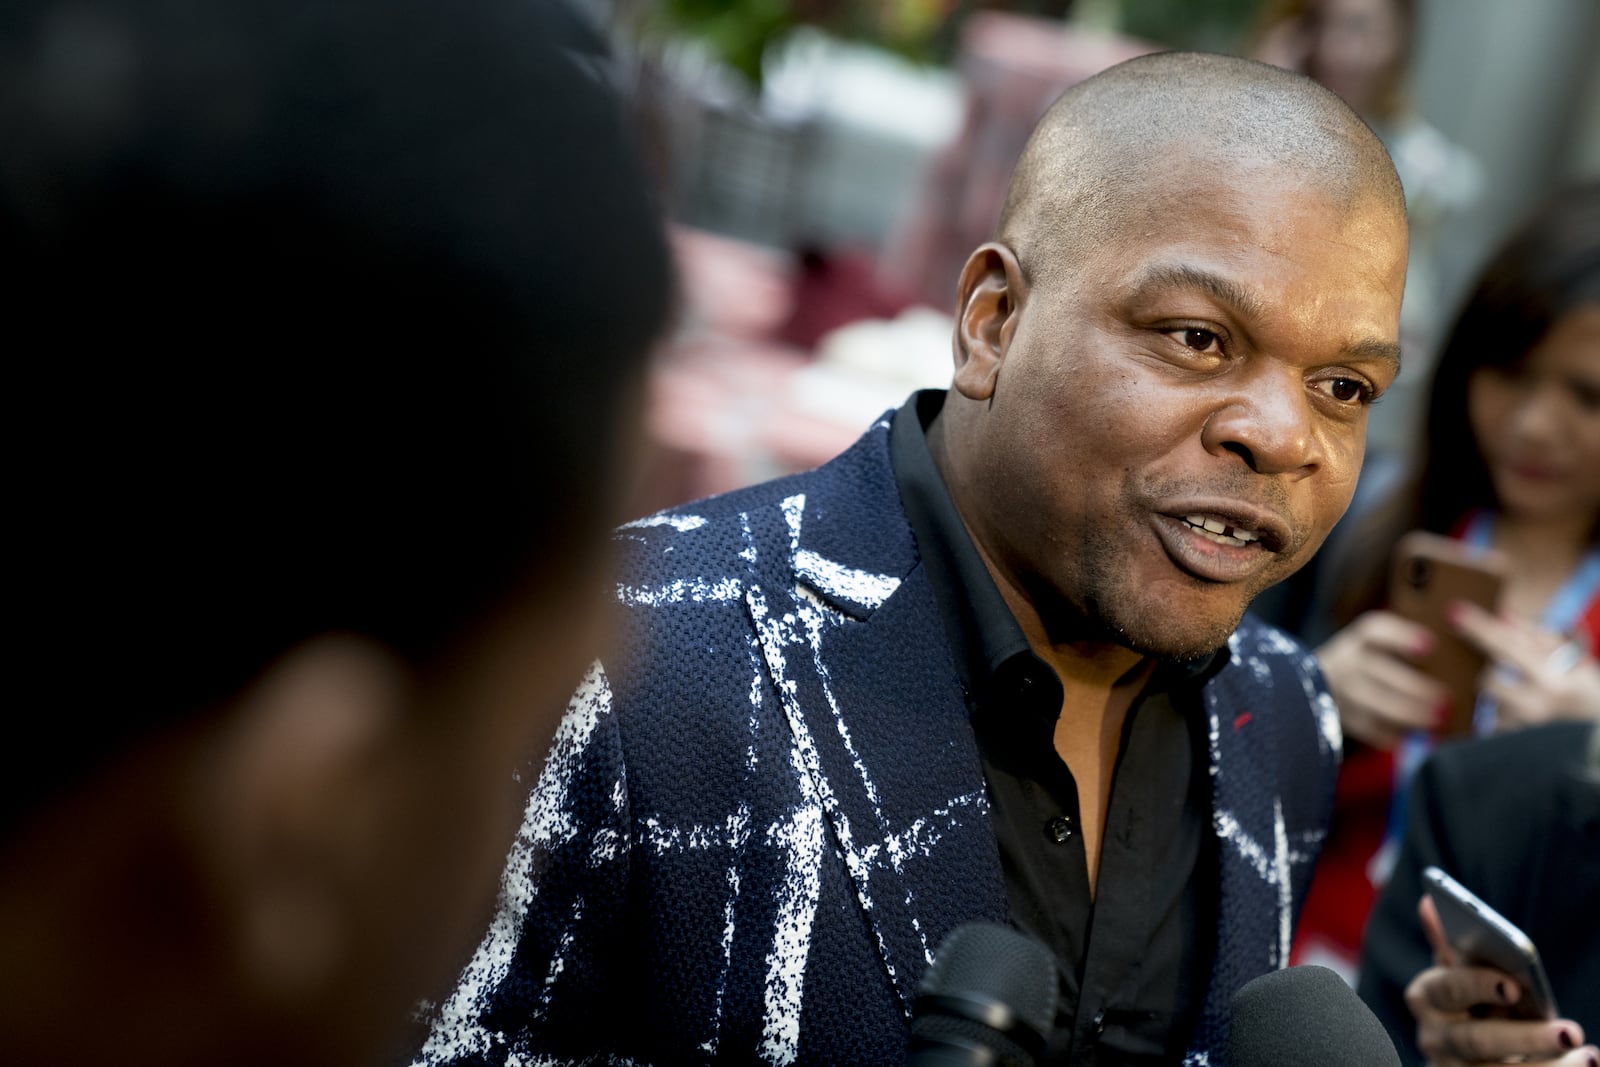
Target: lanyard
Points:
(1567, 606)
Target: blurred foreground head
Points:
(326, 322)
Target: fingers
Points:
(1448, 992)
(1537, 675)
(1376, 716)
(1372, 712)
(1443, 999)
(1508, 641)
(1574, 694)
(1387, 632)
(1587, 1056)
(1380, 695)
(1474, 1041)
(1433, 929)
(1448, 1003)
(1410, 696)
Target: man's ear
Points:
(989, 300)
(290, 802)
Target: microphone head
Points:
(989, 997)
(1306, 1014)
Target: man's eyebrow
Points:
(1227, 291)
(1386, 351)
(1183, 276)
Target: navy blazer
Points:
(765, 811)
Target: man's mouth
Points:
(1225, 540)
(1215, 529)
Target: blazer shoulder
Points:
(724, 534)
(1470, 769)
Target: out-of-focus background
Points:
(828, 165)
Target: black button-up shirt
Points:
(1135, 955)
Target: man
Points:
(989, 663)
(325, 323)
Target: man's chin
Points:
(1178, 635)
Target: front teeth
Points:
(1220, 532)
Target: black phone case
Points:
(1481, 935)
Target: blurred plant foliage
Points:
(739, 32)
(1209, 25)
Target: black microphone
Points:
(989, 1000)
(1306, 1015)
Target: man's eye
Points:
(1198, 339)
(1350, 390)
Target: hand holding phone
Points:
(1483, 937)
(1431, 571)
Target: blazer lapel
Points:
(1255, 856)
(851, 636)
(1269, 811)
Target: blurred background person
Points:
(1363, 50)
(1508, 459)
(1515, 818)
(327, 324)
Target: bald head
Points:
(1119, 144)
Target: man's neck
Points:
(1088, 737)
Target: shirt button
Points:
(1099, 1025)
(1059, 829)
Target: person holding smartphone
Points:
(1508, 462)
(1516, 819)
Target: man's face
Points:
(1178, 415)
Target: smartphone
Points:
(1430, 571)
(1482, 936)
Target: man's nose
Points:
(1268, 421)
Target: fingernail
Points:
(1568, 1041)
(1424, 642)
